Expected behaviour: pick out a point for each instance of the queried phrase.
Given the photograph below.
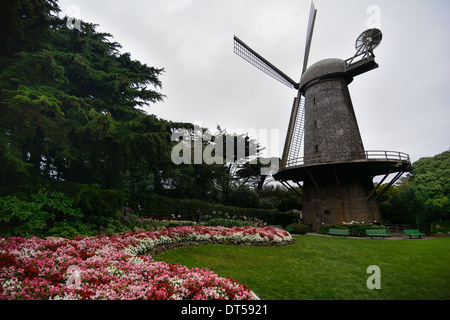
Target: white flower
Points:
(112, 270)
(177, 282)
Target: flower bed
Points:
(115, 267)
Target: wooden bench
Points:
(338, 232)
(377, 233)
(413, 232)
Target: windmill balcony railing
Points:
(387, 155)
(370, 155)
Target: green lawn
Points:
(323, 268)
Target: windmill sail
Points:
(292, 146)
(249, 55)
(294, 137)
(309, 34)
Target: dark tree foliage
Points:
(72, 122)
(70, 104)
(26, 25)
(423, 196)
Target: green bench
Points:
(338, 232)
(289, 229)
(377, 233)
(275, 225)
(413, 232)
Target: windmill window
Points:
(317, 148)
(315, 124)
(327, 212)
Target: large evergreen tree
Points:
(71, 120)
(70, 105)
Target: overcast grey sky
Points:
(402, 106)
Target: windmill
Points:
(337, 173)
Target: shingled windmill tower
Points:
(337, 173)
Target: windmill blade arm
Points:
(309, 34)
(294, 136)
(248, 54)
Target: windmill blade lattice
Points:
(295, 133)
(294, 137)
(296, 128)
(249, 55)
(309, 34)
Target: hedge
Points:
(440, 226)
(161, 206)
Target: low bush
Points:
(229, 223)
(55, 214)
(440, 226)
(174, 223)
(94, 200)
(161, 206)
(300, 228)
(35, 215)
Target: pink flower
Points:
(37, 269)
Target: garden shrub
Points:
(229, 223)
(440, 226)
(161, 206)
(114, 225)
(94, 200)
(66, 229)
(300, 228)
(172, 224)
(34, 216)
(55, 214)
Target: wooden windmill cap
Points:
(326, 68)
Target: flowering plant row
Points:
(112, 267)
(209, 234)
